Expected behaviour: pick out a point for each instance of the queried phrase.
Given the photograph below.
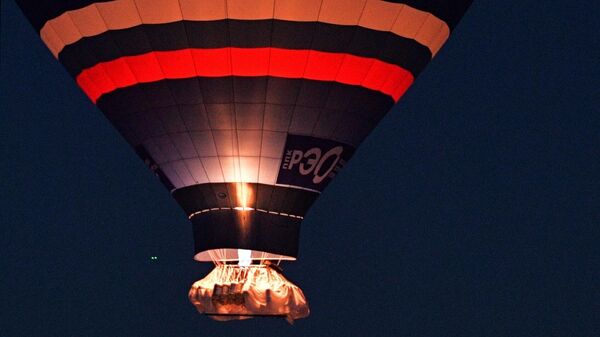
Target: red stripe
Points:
(126, 71)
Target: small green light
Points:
(153, 257)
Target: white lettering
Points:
(295, 159)
(336, 151)
(312, 162)
(286, 160)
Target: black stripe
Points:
(243, 90)
(354, 40)
(250, 230)
(253, 229)
(217, 195)
(330, 108)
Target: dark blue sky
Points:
(472, 210)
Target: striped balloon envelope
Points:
(244, 109)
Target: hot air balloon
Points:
(245, 110)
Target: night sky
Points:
(473, 209)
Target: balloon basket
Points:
(234, 292)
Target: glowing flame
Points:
(243, 196)
(245, 257)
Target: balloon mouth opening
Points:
(239, 291)
(235, 254)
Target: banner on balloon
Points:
(311, 162)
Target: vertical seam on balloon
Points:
(421, 28)
(51, 26)
(387, 41)
(433, 36)
(160, 66)
(68, 14)
(264, 105)
(344, 111)
(233, 127)
(203, 103)
(293, 106)
(406, 78)
(125, 62)
(339, 69)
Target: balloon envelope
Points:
(244, 110)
